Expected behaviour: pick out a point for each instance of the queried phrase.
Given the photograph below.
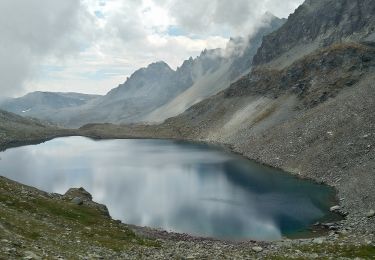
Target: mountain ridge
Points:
(156, 92)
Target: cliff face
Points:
(313, 79)
(319, 23)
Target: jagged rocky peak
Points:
(159, 65)
(154, 68)
(320, 23)
(152, 74)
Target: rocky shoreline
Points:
(345, 238)
(39, 241)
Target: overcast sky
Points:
(91, 46)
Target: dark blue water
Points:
(176, 186)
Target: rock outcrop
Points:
(316, 24)
(80, 196)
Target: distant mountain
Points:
(45, 105)
(145, 90)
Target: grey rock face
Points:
(325, 21)
(77, 201)
(314, 78)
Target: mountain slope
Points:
(15, 129)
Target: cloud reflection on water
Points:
(179, 187)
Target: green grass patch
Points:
(35, 217)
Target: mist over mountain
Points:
(154, 93)
(238, 59)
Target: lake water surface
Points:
(177, 186)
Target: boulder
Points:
(80, 196)
(78, 193)
(318, 241)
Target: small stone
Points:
(9, 250)
(335, 208)
(318, 241)
(370, 214)
(77, 201)
(31, 255)
(257, 249)
(95, 256)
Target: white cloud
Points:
(96, 44)
(32, 30)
